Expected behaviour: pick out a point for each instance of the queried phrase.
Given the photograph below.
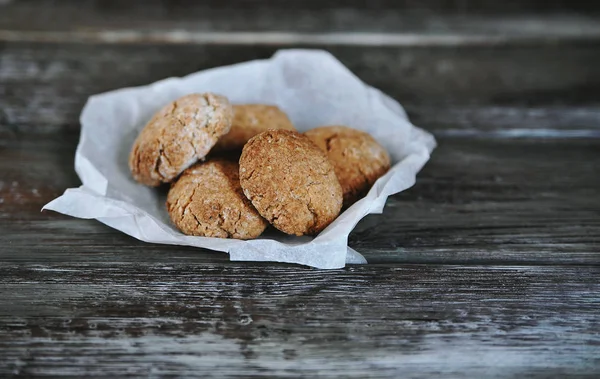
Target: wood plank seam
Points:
(187, 37)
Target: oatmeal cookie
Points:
(177, 136)
(207, 200)
(250, 120)
(290, 182)
(357, 158)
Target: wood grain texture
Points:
(44, 86)
(479, 200)
(187, 21)
(154, 319)
(488, 267)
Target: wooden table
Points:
(487, 267)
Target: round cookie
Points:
(207, 200)
(290, 182)
(250, 120)
(357, 158)
(177, 136)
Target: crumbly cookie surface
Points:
(250, 120)
(207, 200)
(178, 135)
(357, 158)
(290, 182)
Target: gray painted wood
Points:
(44, 86)
(153, 20)
(488, 267)
(108, 319)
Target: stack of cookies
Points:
(235, 169)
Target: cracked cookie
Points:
(290, 182)
(357, 158)
(177, 136)
(250, 120)
(207, 200)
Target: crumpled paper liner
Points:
(311, 86)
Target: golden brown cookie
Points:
(250, 120)
(207, 200)
(290, 182)
(178, 135)
(357, 158)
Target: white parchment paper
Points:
(311, 86)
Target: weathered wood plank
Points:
(44, 86)
(513, 185)
(509, 122)
(425, 22)
(173, 10)
(144, 319)
(479, 200)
